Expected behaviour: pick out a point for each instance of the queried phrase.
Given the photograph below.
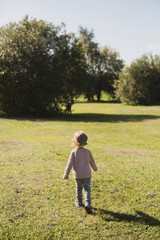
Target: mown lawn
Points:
(36, 203)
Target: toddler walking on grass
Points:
(81, 161)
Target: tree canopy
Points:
(41, 67)
(139, 84)
(103, 65)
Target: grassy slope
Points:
(36, 203)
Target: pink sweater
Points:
(80, 161)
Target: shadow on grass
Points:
(95, 117)
(101, 101)
(88, 117)
(140, 217)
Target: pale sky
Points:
(131, 27)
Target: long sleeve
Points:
(92, 163)
(69, 165)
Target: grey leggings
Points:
(83, 183)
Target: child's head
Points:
(80, 139)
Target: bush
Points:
(28, 81)
(139, 84)
(41, 67)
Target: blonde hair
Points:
(80, 139)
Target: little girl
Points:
(80, 161)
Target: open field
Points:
(36, 203)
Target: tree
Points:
(108, 65)
(72, 66)
(91, 52)
(103, 66)
(28, 79)
(41, 67)
(139, 84)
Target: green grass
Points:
(36, 203)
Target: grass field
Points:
(36, 203)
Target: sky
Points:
(131, 27)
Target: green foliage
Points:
(140, 83)
(91, 53)
(40, 67)
(28, 78)
(72, 66)
(108, 67)
(103, 66)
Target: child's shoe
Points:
(78, 203)
(88, 208)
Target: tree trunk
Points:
(99, 96)
(88, 97)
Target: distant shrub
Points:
(139, 84)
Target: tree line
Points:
(42, 68)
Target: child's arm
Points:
(92, 163)
(69, 166)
